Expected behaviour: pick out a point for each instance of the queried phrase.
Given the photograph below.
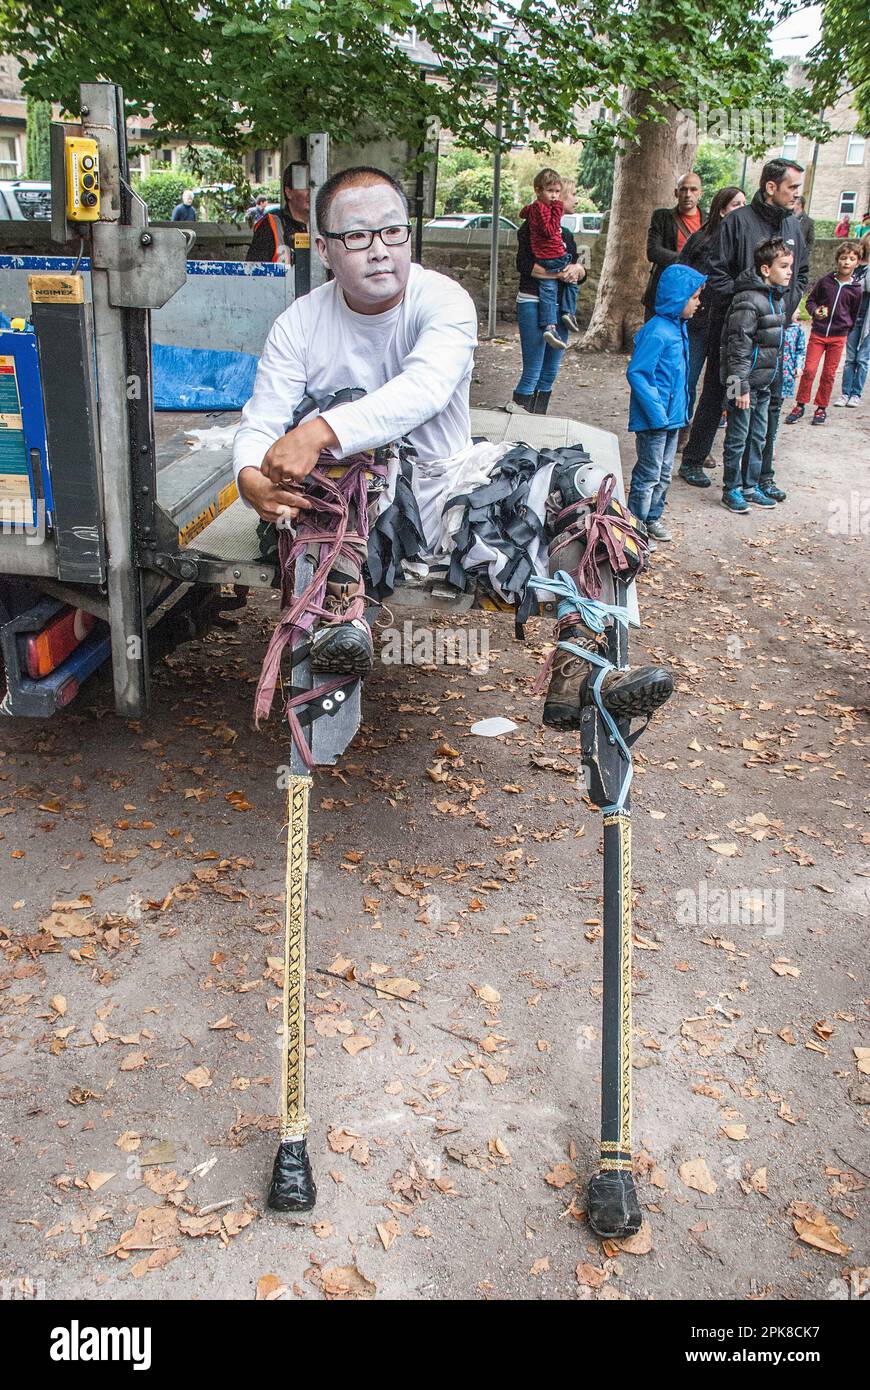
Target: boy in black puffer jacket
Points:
(752, 340)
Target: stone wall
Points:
(465, 258)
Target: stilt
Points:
(328, 725)
(293, 1186)
(612, 1205)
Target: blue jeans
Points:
(857, 358)
(541, 362)
(548, 292)
(651, 475)
(746, 431)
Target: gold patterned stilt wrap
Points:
(294, 1120)
(616, 1035)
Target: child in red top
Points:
(834, 302)
(544, 217)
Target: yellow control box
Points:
(82, 179)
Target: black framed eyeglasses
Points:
(361, 240)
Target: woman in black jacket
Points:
(695, 253)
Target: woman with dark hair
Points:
(694, 253)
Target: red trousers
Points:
(831, 349)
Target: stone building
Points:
(837, 178)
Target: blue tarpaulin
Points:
(202, 378)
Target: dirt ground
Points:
(453, 1132)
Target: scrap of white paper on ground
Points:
(491, 728)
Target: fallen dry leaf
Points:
(269, 1288)
(388, 1232)
(398, 986)
(781, 967)
(133, 1061)
(697, 1175)
(590, 1276)
(862, 1059)
(735, 1132)
(638, 1244)
(199, 1078)
(487, 994)
(561, 1175)
(97, 1180)
(813, 1228)
(346, 1281)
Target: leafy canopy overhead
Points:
(840, 60)
(237, 73)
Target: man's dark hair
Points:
(775, 171)
(767, 252)
(362, 174)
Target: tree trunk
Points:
(645, 176)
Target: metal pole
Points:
(102, 104)
(496, 210)
(318, 173)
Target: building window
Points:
(269, 164)
(136, 161)
(848, 203)
(855, 149)
(9, 158)
(790, 147)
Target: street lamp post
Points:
(496, 199)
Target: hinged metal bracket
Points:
(146, 265)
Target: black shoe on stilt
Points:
(612, 1208)
(292, 1187)
(542, 402)
(343, 649)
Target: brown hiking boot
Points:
(343, 648)
(624, 694)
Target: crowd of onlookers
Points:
(740, 326)
(723, 299)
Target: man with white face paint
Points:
(406, 336)
(403, 334)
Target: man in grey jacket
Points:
(770, 214)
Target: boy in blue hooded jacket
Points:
(658, 374)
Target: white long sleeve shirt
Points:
(414, 362)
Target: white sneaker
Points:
(841, 401)
(853, 402)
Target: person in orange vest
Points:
(275, 232)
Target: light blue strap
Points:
(593, 614)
